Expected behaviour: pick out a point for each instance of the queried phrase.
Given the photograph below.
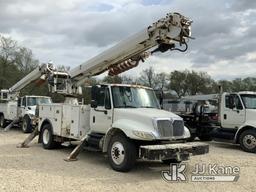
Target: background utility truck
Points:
(229, 117)
(21, 110)
(124, 121)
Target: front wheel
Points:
(26, 125)
(247, 140)
(121, 153)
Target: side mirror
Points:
(94, 104)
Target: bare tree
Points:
(25, 61)
(148, 77)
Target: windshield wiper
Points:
(129, 106)
(146, 107)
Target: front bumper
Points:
(177, 151)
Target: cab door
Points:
(22, 103)
(101, 109)
(233, 115)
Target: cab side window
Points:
(23, 102)
(227, 101)
(238, 102)
(233, 101)
(103, 98)
(19, 102)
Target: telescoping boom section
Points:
(42, 73)
(163, 34)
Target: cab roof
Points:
(127, 85)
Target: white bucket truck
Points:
(124, 121)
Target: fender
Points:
(124, 126)
(241, 129)
(43, 123)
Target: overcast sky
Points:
(69, 32)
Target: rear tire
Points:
(26, 125)
(247, 140)
(122, 153)
(2, 121)
(47, 137)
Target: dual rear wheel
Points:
(47, 137)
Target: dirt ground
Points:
(36, 169)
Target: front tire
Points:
(247, 140)
(26, 125)
(47, 137)
(122, 153)
(2, 121)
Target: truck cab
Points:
(26, 110)
(135, 110)
(237, 119)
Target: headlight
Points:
(186, 132)
(143, 135)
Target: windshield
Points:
(249, 101)
(133, 97)
(38, 100)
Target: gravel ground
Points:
(36, 169)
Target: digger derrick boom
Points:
(165, 33)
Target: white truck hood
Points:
(147, 113)
(141, 120)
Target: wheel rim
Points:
(46, 136)
(117, 153)
(24, 125)
(249, 141)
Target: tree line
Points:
(186, 82)
(17, 61)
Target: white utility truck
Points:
(124, 121)
(237, 119)
(21, 110)
(227, 117)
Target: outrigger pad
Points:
(31, 136)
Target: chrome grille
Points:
(167, 128)
(178, 128)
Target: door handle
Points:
(225, 116)
(104, 111)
